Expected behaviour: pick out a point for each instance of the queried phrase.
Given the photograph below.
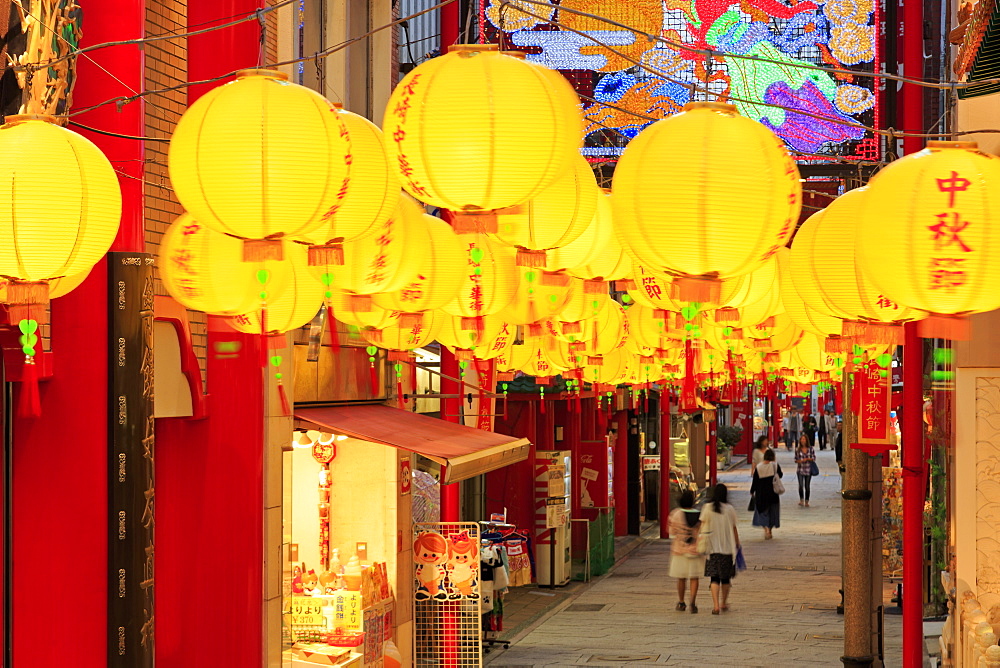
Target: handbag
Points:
(741, 562)
(813, 468)
(703, 534)
(779, 487)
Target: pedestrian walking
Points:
(805, 461)
(686, 564)
(809, 429)
(838, 445)
(766, 488)
(757, 456)
(786, 427)
(722, 540)
(821, 430)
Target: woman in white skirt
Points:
(685, 562)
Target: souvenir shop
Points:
(366, 559)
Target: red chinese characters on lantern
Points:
(872, 388)
(946, 270)
(400, 111)
(376, 269)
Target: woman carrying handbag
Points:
(766, 490)
(720, 540)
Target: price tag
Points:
(307, 611)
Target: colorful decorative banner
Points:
(871, 405)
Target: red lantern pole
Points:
(450, 408)
(665, 462)
(911, 26)
(913, 497)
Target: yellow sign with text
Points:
(347, 610)
(307, 611)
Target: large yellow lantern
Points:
(596, 254)
(648, 327)
(62, 204)
(835, 283)
(260, 158)
(204, 271)
(540, 295)
(733, 197)
(440, 269)
(490, 278)
(402, 335)
(371, 195)
(358, 310)
(929, 234)
(297, 304)
(385, 261)
(653, 290)
(490, 339)
(476, 130)
(555, 217)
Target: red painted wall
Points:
(60, 459)
(209, 473)
(513, 486)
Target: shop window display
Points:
(340, 517)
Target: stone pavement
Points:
(783, 608)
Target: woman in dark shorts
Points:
(718, 519)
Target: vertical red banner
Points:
(871, 401)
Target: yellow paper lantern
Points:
(653, 290)
(490, 278)
(440, 268)
(402, 334)
(705, 225)
(649, 328)
(204, 270)
(801, 313)
(260, 158)
(540, 295)
(297, 304)
(607, 331)
(776, 334)
(385, 261)
(557, 216)
(62, 201)
(595, 254)
(358, 310)
(477, 130)
(373, 189)
(486, 338)
(810, 353)
(835, 283)
(928, 237)
(610, 368)
(58, 287)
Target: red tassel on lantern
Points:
(286, 406)
(373, 374)
(29, 403)
(399, 392)
(334, 336)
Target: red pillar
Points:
(911, 23)
(713, 453)
(913, 497)
(450, 409)
(621, 474)
(209, 472)
(665, 459)
(450, 24)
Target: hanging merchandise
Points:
(261, 158)
(691, 230)
(935, 250)
(371, 195)
(204, 270)
(452, 119)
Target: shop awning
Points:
(467, 452)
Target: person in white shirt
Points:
(718, 519)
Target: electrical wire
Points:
(116, 134)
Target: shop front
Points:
(360, 482)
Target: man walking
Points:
(821, 430)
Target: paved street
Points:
(783, 607)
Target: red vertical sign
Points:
(871, 404)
